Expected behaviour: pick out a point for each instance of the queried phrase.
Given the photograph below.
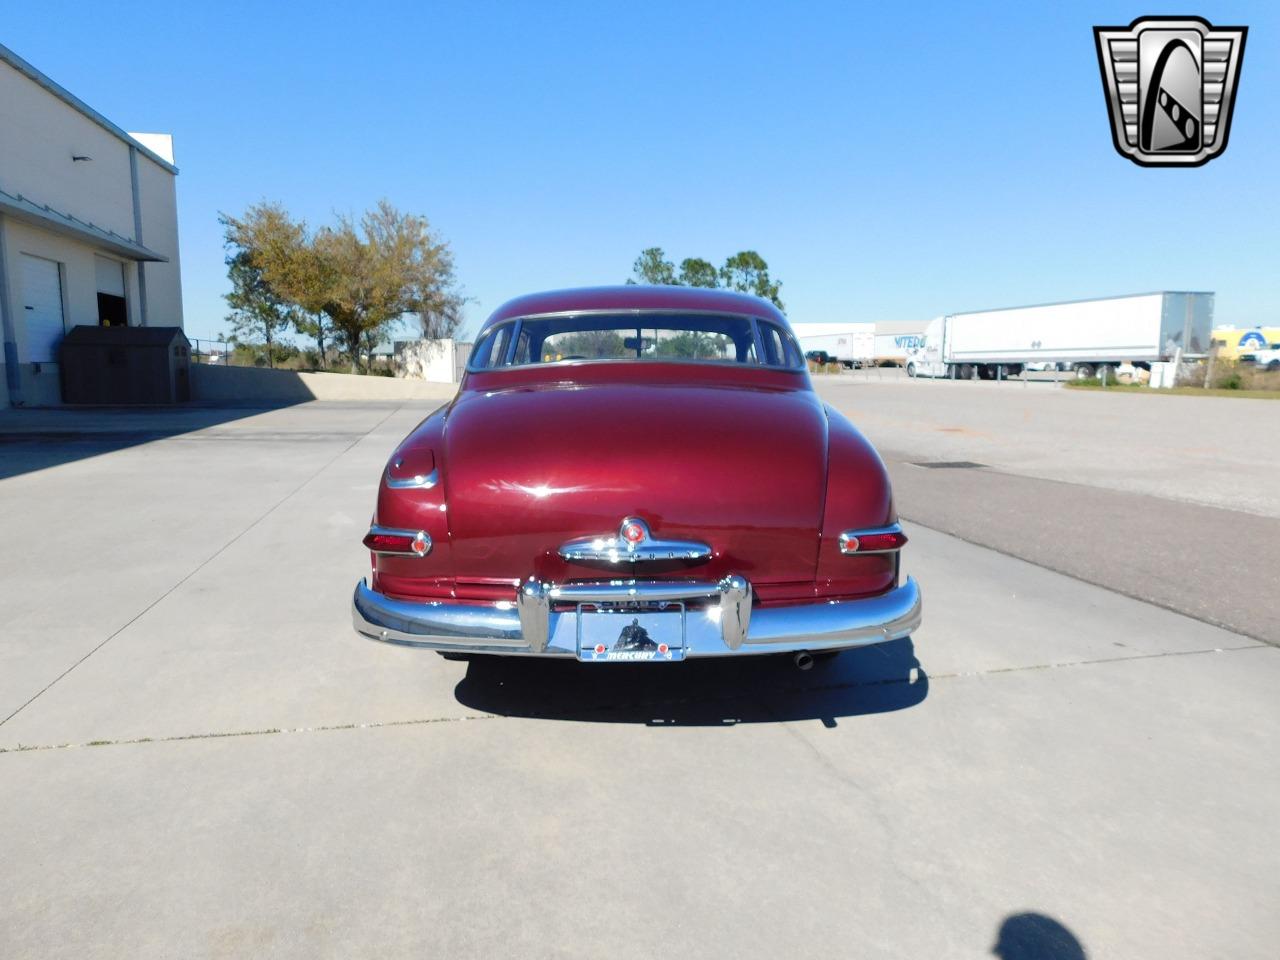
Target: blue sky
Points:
(890, 162)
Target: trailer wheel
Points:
(1084, 371)
(911, 369)
(1273, 365)
(965, 372)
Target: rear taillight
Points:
(879, 540)
(412, 468)
(404, 543)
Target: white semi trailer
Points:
(1085, 336)
(892, 348)
(852, 344)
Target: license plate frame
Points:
(661, 639)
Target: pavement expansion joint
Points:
(233, 734)
(914, 676)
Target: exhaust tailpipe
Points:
(803, 660)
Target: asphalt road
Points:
(1170, 499)
(201, 759)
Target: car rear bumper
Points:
(724, 624)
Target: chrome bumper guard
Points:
(725, 625)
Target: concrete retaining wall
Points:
(249, 384)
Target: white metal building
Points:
(88, 227)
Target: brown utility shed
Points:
(125, 365)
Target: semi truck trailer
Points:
(1085, 336)
(852, 344)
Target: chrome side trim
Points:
(421, 481)
(418, 536)
(619, 549)
(531, 627)
(853, 535)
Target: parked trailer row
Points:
(850, 344)
(892, 349)
(1085, 336)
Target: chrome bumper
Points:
(531, 626)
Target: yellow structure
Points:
(1232, 342)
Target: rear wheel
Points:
(1273, 365)
(911, 369)
(965, 372)
(1084, 371)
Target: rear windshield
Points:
(698, 338)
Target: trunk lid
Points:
(741, 469)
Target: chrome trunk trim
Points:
(621, 549)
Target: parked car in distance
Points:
(819, 356)
(635, 474)
(1267, 359)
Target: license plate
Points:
(631, 636)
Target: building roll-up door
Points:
(112, 311)
(41, 309)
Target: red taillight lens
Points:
(403, 542)
(872, 541)
(388, 543)
(412, 468)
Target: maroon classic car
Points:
(635, 473)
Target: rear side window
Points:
(779, 349)
(491, 349)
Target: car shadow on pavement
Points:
(715, 692)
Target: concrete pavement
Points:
(202, 759)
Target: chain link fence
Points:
(217, 352)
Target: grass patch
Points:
(1111, 384)
(1226, 379)
(825, 367)
(1238, 393)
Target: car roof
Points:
(635, 297)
